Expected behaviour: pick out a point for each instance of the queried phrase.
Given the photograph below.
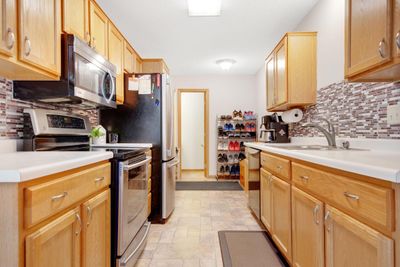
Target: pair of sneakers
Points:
(222, 158)
(237, 115)
(249, 115)
(250, 127)
(234, 146)
(229, 127)
(223, 146)
(224, 170)
(235, 170)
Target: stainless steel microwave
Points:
(87, 79)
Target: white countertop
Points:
(380, 164)
(124, 145)
(24, 166)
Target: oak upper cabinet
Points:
(98, 29)
(116, 57)
(8, 29)
(281, 216)
(40, 34)
(76, 18)
(96, 231)
(372, 40)
(57, 243)
(129, 58)
(266, 198)
(307, 230)
(348, 242)
(270, 82)
(291, 72)
(138, 64)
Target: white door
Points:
(192, 130)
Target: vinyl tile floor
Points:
(195, 176)
(190, 236)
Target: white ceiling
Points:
(245, 31)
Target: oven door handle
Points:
(138, 247)
(135, 165)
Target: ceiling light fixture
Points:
(204, 7)
(226, 64)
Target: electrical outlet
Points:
(393, 115)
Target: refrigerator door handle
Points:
(174, 164)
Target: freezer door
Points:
(168, 187)
(167, 104)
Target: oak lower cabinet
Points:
(96, 231)
(307, 230)
(281, 216)
(57, 243)
(349, 242)
(266, 199)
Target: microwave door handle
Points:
(135, 165)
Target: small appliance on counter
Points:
(274, 130)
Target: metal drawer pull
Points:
(381, 49)
(60, 196)
(99, 179)
(89, 215)
(326, 218)
(304, 177)
(315, 213)
(78, 218)
(10, 38)
(279, 167)
(28, 46)
(398, 39)
(352, 196)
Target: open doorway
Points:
(193, 134)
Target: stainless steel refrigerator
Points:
(149, 118)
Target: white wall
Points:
(328, 19)
(226, 93)
(192, 130)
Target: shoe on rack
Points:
(240, 115)
(236, 146)
(241, 156)
(221, 170)
(227, 170)
(236, 158)
(241, 146)
(233, 171)
(220, 158)
(231, 146)
(220, 146)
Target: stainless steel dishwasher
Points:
(253, 157)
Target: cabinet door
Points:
(57, 243)
(8, 21)
(138, 64)
(397, 27)
(76, 18)
(40, 34)
(348, 242)
(307, 230)
(116, 56)
(98, 29)
(129, 58)
(368, 34)
(281, 73)
(266, 198)
(281, 216)
(96, 231)
(270, 81)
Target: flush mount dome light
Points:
(226, 64)
(204, 7)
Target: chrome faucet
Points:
(329, 134)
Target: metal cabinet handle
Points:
(381, 49)
(398, 39)
(279, 167)
(60, 196)
(87, 37)
(350, 195)
(10, 38)
(78, 218)
(28, 46)
(304, 177)
(326, 218)
(270, 179)
(93, 43)
(315, 213)
(89, 215)
(99, 179)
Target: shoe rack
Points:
(233, 132)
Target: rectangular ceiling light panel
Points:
(204, 7)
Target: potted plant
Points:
(98, 135)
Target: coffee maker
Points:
(274, 130)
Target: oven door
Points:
(132, 212)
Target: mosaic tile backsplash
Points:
(357, 110)
(11, 112)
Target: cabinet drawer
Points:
(43, 200)
(276, 165)
(372, 203)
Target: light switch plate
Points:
(393, 114)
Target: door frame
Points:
(206, 112)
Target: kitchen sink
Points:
(319, 147)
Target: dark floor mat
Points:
(249, 248)
(208, 186)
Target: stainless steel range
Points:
(47, 130)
